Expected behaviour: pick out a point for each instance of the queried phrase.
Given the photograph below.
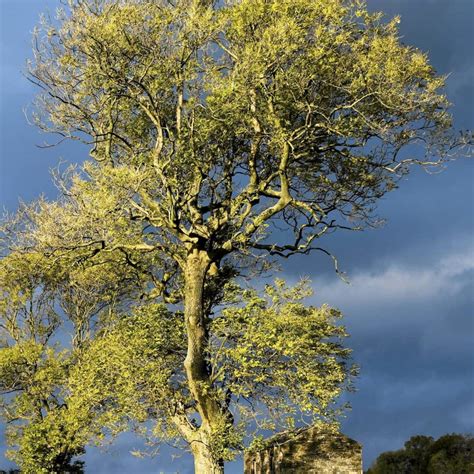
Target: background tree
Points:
(32, 372)
(47, 316)
(210, 123)
(450, 454)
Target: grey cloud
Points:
(385, 416)
(402, 284)
(412, 329)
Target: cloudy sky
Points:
(409, 306)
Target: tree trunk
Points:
(195, 364)
(205, 464)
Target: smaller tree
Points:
(47, 314)
(452, 454)
(32, 370)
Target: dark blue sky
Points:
(409, 306)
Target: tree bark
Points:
(196, 367)
(205, 464)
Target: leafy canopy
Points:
(211, 121)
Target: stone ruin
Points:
(309, 451)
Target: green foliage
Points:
(42, 298)
(274, 352)
(311, 103)
(449, 454)
(131, 371)
(39, 424)
(268, 351)
(48, 445)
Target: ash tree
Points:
(48, 311)
(222, 133)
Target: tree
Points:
(31, 371)
(452, 453)
(40, 301)
(449, 454)
(211, 124)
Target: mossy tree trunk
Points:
(196, 366)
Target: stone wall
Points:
(308, 452)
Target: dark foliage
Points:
(449, 454)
